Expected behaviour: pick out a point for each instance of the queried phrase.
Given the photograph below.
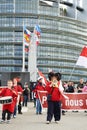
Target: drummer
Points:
(8, 108)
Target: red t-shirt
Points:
(56, 95)
(39, 87)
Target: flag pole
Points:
(72, 73)
(23, 58)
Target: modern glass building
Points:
(61, 41)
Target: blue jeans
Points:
(38, 107)
(15, 111)
(25, 100)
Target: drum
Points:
(6, 100)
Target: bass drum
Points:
(6, 100)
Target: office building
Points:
(64, 33)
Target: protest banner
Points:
(75, 101)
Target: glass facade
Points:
(61, 41)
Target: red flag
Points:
(42, 75)
(84, 52)
(82, 60)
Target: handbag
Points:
(49, 96)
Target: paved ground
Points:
(30, 121)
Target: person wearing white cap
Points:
(39, 78)
(39, 87)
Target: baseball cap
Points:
(39, 78)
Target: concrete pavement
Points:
(30, 121)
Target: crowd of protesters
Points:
(54, 87)
(70, 87)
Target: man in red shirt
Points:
(39, 87)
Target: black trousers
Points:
(19, 108)
(54, 108)
(4, 115)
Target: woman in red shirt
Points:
(54, 104)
